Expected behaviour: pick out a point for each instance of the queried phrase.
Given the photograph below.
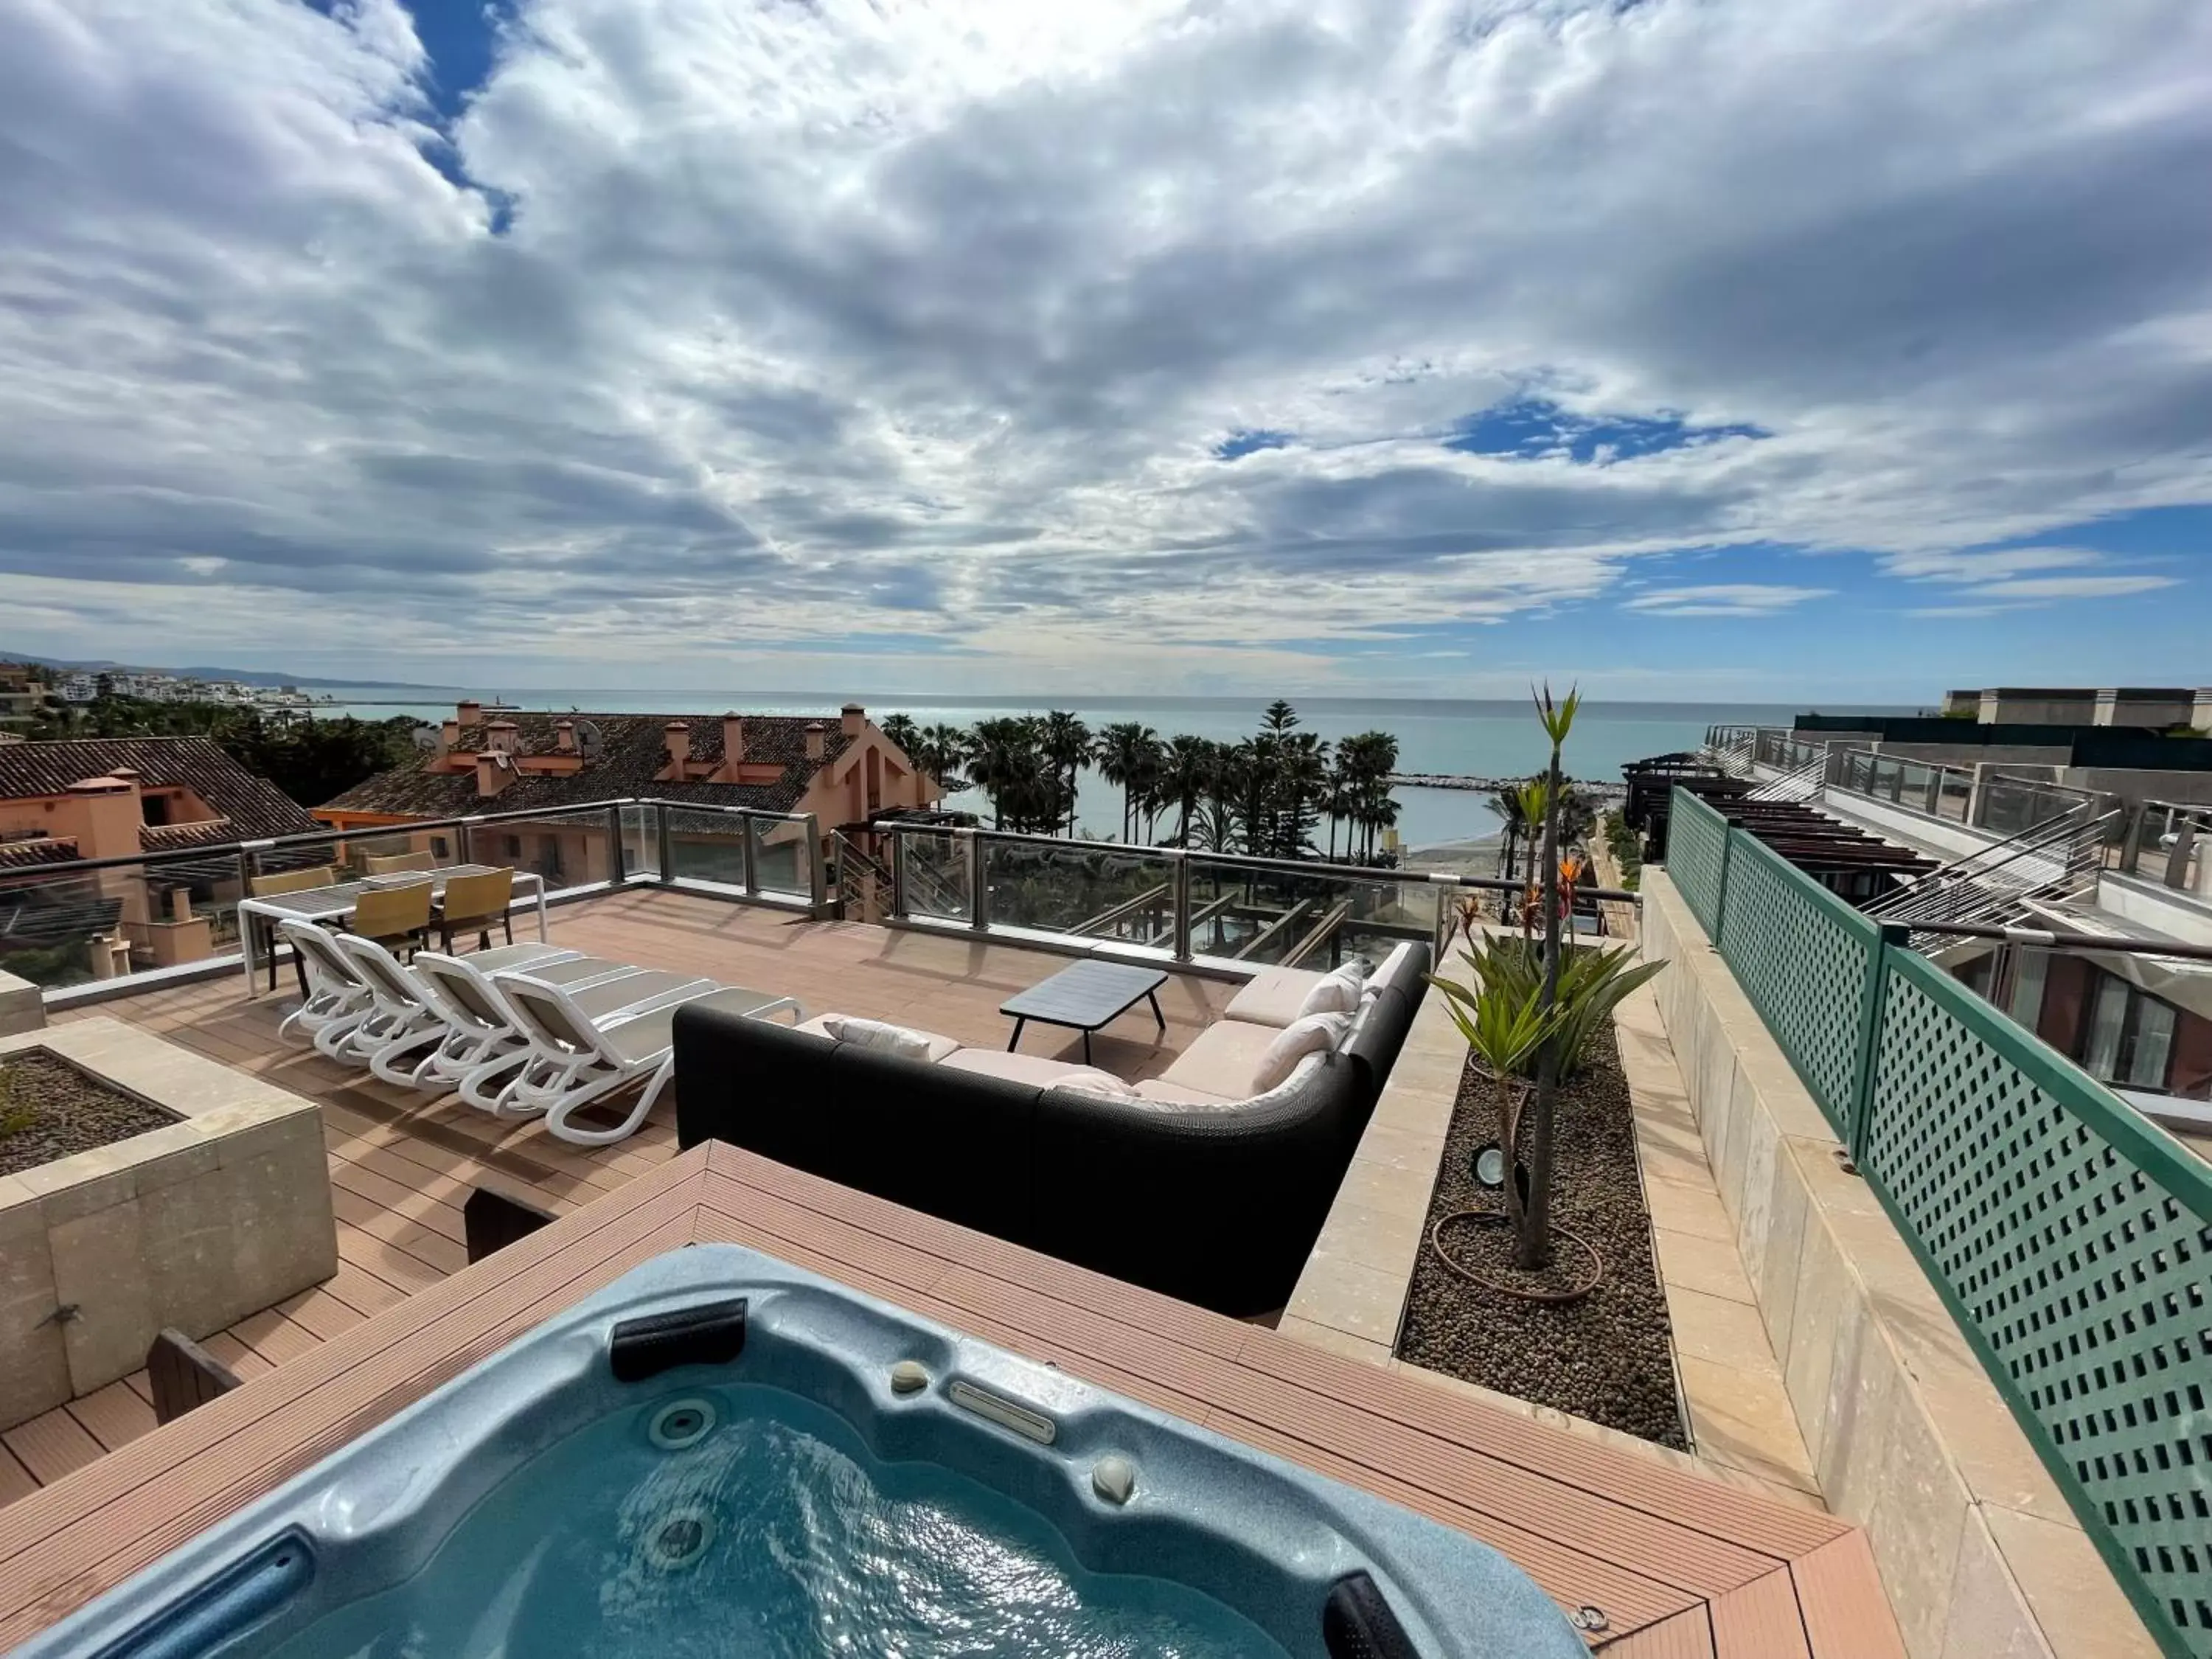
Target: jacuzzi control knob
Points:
(909, 1376)
(1115, 1480)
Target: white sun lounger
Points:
(410, 1024)
(575, 1060)
(338, 998)
(485, 1042)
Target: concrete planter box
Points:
(196, 1224)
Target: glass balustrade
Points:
(1280, 916)
(61, 926)
(1125, 895)
(934, 876)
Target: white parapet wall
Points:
(196, 1224)
(1980, 1553)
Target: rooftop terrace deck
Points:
(1679, 1565)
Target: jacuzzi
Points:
(720, 1454)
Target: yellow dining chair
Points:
(284, 881)
(384, 864)
(476, 901)
(397, 918)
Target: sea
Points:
(1484, 738)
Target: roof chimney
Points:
(469, 710)
(854, 718)
(679, 738)
(733, 739)
(815, 730)
(449, 735)
(564, 736)
(500, 735)
(492, 772)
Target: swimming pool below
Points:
(720, 1454)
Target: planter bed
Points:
(1609, 1357)
(167, 1190)
(50, 1109)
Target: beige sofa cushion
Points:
(1273, 997)
(1223, 1058)
(1158, 1093)
(904, 1041)
(1041, 1071)
(1278, 996)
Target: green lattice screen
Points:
(1802, 955)
(2075, 1243)
(1697, 843)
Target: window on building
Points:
(2130, 1036)
(155, 808)
(513, 848)
(441, 848)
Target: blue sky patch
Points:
(1531, 428)
(1242, 442)
(459, 37)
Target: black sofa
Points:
(1217, 1207)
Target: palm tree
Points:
(1301, 777)
(1505, 801)
(1064, 741)
(1008, 762)
(941, 751)
(1125, 755)
(1251, 769)
(1219, 781)
(901, 730)
(1183, 765)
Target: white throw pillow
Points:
(1310, 1034)
(1337, 991)
(897, 1040)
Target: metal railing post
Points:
(979, 891)
(1180, 939)
(818, 888)
(2177, 858)
(662, 851)
(749, 853)
(1731, 828)
(246, 922)
(617, 864)
(895, 862)
(1889, 937)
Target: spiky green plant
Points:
(1504, 1030)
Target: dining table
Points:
(337, 902)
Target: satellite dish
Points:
(589, 744)
(426, 738)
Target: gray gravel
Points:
(69, 1111)
(1606, 1357)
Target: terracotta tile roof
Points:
(44, 849)
(634, 748)
(251, 806)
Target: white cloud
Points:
(2074, 587)
(826, 321)
(1724, 599)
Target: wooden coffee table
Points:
(1086, 997)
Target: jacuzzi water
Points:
(667, 1470)
(607, 1544)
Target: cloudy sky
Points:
(1788, 348)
